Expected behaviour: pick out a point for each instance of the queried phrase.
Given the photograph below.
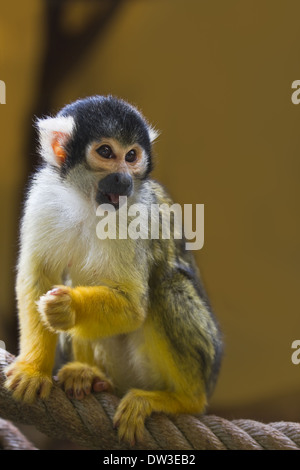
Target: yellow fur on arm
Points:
(31, 372)
(102, 311)
(37, 343)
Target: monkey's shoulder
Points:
(158, 191)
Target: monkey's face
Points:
(116, 166)
(100, 145)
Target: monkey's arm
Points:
(31, 373)
(40, 265)
(94, 311)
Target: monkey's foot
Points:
(26, 382)
(130, 417)
(56, 309)
(78, 380)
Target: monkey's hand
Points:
(91, 311)
(27, 382)
(56, 308)
(79, 380)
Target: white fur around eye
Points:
(48, 127)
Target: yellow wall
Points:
(215, 77)
(20, 47)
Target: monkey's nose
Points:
(123, 179)
(116, 183)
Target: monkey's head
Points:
(102, 145)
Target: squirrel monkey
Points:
(135, 309)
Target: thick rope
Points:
(88, 423)
(12, 439)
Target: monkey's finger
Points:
(59, 290)
(12, 381)
(73, 388)
(30, 390)
(116, 424)
(45, 388)
(117, 419)
(68, 384)
(14, 376)
(139, 428)
(9, 372)
(12, 369)
(70, 393)
(127, 431)
(79, 394)
(83, 380)
(55, 291)
(99, 385)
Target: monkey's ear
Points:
(54, 133)
(153, 134)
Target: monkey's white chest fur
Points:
(60, 225)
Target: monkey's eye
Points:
(131, 156)
(105, 151)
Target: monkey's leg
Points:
(79, 377)
(92, 312)
(137, 405)
(30, 374)
(180, 339)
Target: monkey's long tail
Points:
(88, 424)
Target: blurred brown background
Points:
(215, 77)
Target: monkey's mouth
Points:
(112, 187)
(113, 198)
(108, 198)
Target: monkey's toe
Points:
(79, 380)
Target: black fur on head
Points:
(97, 117)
